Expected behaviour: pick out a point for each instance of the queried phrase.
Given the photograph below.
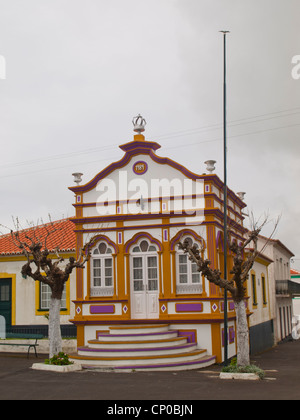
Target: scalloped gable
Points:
(140, 147)
(135, 148)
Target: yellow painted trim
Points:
(13, 294)
(120, 273)
(165, 270)
(174, 273)
(195, 316)
(127, 280)
(79, 273)
(21, 257)
(12, 258)
(68, 297)
(216, 342)
(262, 261)
(160, 278)
(88, 278)
(80, 335)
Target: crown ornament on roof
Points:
(139, 124)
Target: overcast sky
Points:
(77, 72)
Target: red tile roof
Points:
(64, 238)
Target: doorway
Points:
(144, 281)
(6, 301)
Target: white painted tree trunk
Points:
(243, 351)
(55, 343)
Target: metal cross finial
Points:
(139, 124)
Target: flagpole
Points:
(225, 198)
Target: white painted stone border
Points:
(247, 376)
(56, 368)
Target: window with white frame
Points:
(45, 297)
(102, 278)
(188, 277)
(145, 267)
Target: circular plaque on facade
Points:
(140, 167)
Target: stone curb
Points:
(56, 368)
(244, 376)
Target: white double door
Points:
(144, 286)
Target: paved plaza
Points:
(282, 365)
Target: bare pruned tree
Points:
(236, 285)
(53, 272)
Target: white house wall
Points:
(25, 295)
(158, 181)
(260, 312)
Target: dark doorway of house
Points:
(5, 301)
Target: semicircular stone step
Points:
(141, 351)
(199, 363)
(137, 343)
(141, 347)
(136, 360)
(142, 336)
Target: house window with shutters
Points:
(102, 270)
(188, 279)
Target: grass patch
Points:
(234, 368)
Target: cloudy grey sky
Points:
(78, 71)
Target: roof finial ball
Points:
(139, 124)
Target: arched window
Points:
(188, 277)
(102, 273)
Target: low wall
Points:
(69, 346)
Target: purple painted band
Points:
(189, 307)
(102, 309)
(170, 332)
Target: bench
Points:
(35, 337)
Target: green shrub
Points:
(60, 359)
